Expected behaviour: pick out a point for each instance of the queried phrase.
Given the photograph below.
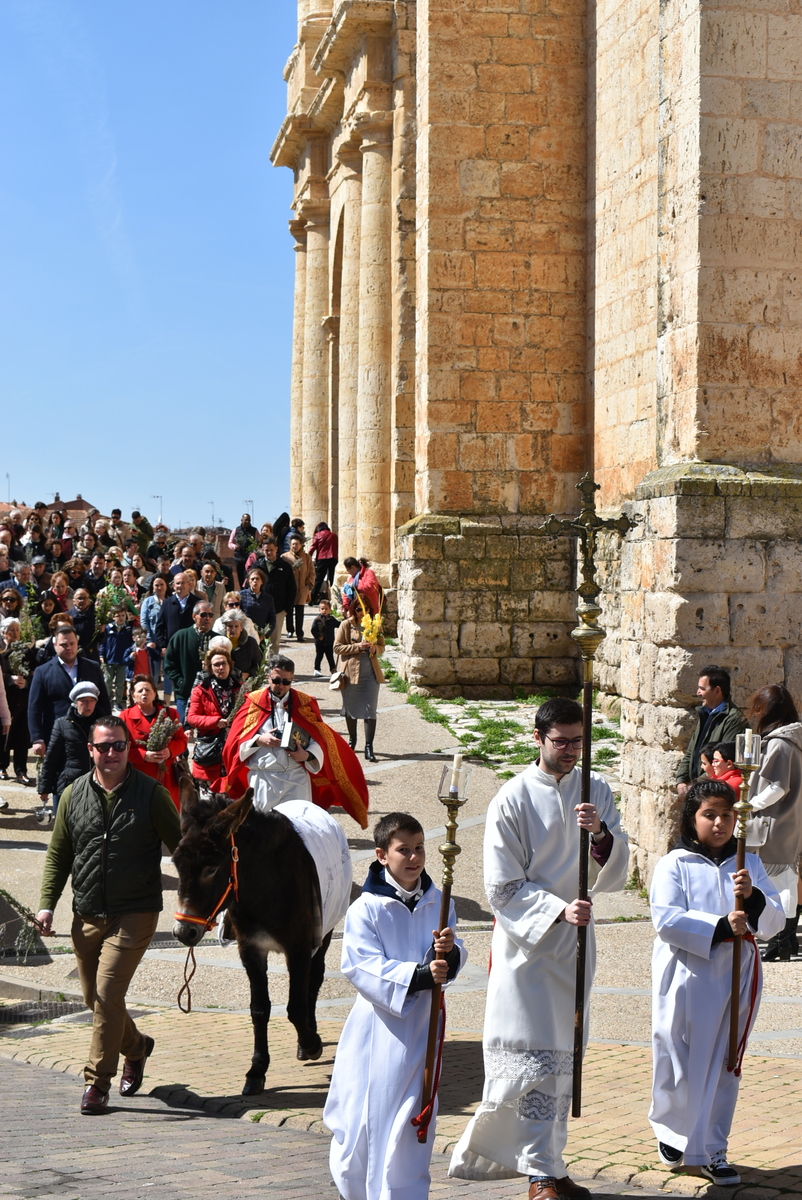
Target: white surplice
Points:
(377, 1079)
(693, 1093)
(273, 775)
(531, 860)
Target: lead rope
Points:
(187, 980)
(233, 886)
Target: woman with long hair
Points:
(775, 829)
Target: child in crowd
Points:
(724, 767)
(116, 639)
(693, 908)
(324, 628)
(389, 945)
(706, 762)
(137, 659)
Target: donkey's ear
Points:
(230, 819)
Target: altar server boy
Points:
(693, 908)
(389, 944)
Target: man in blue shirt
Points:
(718, 721)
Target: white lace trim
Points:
(532, 1065)
(500, 894)
(537, 1106)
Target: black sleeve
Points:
(54, 760)
(423, 981)
(722, 932)
(754, 906)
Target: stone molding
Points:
(351, 21)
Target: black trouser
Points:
(324, 567)
(239, 566)
(320, 650)
(295, 620)
(18, 744)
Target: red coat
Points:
(325, 544)
(138, 729)
(204, 715)
(733, 778)
(340, 779)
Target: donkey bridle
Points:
(232, 886)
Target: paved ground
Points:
(279, 1147)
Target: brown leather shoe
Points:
(134, 1070)
(94, 1101)
(543, 1189)
(567, 1187)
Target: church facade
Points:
(534, 238)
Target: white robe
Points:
(531, 858)
(273, 775)
(377, 1080)
(693, 1093)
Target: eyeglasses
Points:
(107, 747)
(562, 743)
(232, 604)
(205, 616)
(281, 682)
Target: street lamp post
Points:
(160, 499)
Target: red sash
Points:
(340, 779)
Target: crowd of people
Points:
(142, 608)
(88, 643)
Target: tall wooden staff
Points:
(457, 783)
(747, 754)
(588, 635)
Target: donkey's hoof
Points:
(311, 1055)
(254, 1084)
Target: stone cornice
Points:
(351, 20)
(721, 479)
(290, 140)
(327, 106)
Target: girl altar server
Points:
(692, 899)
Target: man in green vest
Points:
(108, 836)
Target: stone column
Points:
(297, 374)
(349, 351)
(315, 436)
(373, 401)
(332, 326)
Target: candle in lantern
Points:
(456, 767)
(748, 743)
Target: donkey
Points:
(273, 906)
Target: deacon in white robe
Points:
(693, 1093)
(377, 1080)
(531, 860)
(273, 773)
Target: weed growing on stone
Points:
(605, 754)
(600, 733)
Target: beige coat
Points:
(347, 646)
(303, 566)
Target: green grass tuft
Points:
(605, 754)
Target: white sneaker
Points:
(318, 674)
(3, 803)
(719, 1170)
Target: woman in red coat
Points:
(210, 703)
(138, 719)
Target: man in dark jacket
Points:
(67, 751)
(176, 611)
(108, 837)
(83, 620)
(718, 720)
(52, 683)
(185, 651)
(142, 530)
(279, 585)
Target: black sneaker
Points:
(668, 1155)
(719, 1170)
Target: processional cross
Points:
(588, 635)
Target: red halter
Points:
(233, 886)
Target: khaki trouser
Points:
(275, 637)
(108, 954)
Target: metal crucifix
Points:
(588, 635)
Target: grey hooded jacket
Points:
(775, 829)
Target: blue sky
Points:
(146, 269)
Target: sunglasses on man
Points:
(107, 747)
